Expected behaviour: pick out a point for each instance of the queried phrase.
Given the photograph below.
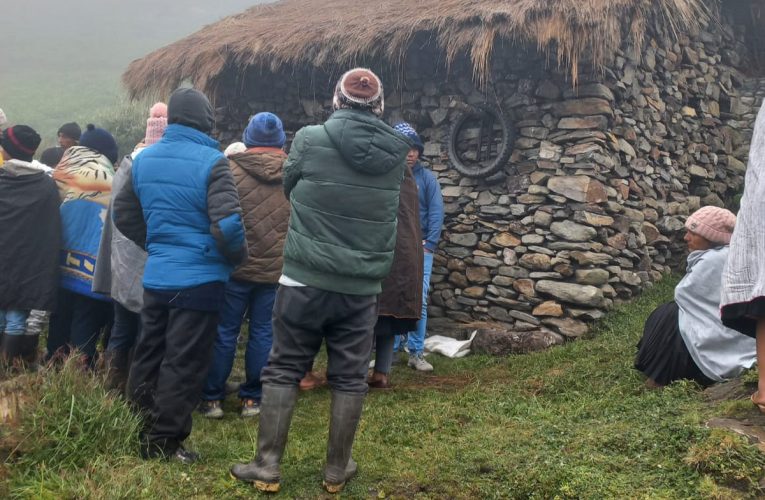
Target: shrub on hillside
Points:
(126, 121)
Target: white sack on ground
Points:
(449, 347)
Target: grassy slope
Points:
(572, 422)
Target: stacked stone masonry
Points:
(591, 206)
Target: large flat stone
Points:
(502, 342)
(583, 107)
(567, 326)
(572, 293)
(579, 188)
(464, 239)
(594, 277)
(583, 123)
(572, 231)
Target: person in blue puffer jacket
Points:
(431, 221)
(181, 204)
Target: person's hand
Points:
(427, 250)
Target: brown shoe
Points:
(311, 381)
(378, 381)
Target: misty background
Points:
(62, 60)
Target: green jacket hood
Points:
(368, 144)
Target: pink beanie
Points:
(714, 224)
(156, 124)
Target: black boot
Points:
(275, 417)
(116, 364)
(29, 349)
(19, 348)
(345, 414)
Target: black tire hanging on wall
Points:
(508, 139)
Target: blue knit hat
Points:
(407, 130)
(264, 130)
(100, 141)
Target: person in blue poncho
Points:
(84, 179)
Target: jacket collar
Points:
(177, 132)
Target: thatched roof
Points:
(339, 32)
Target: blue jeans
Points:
(239, 296)
(13, 322)
(416, 342)
(126, 328)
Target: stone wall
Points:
(590, 208)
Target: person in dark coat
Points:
(30, 235)
(400, 302)
(431, 221)
(343, 180)
(180, 203)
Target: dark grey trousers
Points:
(172, 356)
(302, 317)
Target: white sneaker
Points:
(417, 362)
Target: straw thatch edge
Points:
(280, 35)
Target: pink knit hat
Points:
(156, 124)
(714, 224)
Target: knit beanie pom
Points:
(156, 123)
(100, 141)
(408, 131)
(158, 110)
(264, 130)
(359, 88)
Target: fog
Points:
(61, 60)
(69, 35)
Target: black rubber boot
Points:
(116, 364)
(345, 413)
(29, 351)
(19, 349)
(276, 408)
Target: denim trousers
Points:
(241, 296)
(126, 328)
(416, 339)
(13, 321)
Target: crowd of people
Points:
(164, 253)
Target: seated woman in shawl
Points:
(743, 280)
(685, 339)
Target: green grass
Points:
(571, 422)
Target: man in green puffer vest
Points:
(343, 180)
